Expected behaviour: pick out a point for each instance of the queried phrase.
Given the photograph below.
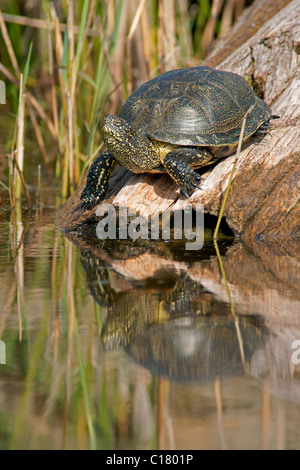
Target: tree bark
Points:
(263, 201)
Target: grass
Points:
(82, 60)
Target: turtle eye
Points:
(118, 123)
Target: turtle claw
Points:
(197, 181)
(184, 192)
(180, 165)
(190, 187)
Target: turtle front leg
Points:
(97, 180)
(179, 165)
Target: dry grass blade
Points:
(136, 19)
(39, 136)
(70, 91)
(19, 157)
(23, 183)
(9, 46)
(210, 28)
(51, 72)
(59, 54)
(170, 42)
(38, 195)
(42, 24)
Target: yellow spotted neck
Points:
(162, 148)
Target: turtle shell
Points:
(196, 106)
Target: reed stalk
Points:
(19, 158)
(22, 182)
(70, 93)
(38, 195)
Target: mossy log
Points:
(264, 197)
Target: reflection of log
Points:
(263, 280)
(158, 301)
(264, 198)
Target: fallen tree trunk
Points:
(263, 201)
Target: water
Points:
(136, 345)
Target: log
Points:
(263, 202)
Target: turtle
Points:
(177, 122)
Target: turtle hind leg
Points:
(179, 165)
(97, 180)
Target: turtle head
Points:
(129, 146)
(115, 129)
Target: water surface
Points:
(136, 345)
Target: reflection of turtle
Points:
(199, 347)
(178, 121)
(173, 326)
